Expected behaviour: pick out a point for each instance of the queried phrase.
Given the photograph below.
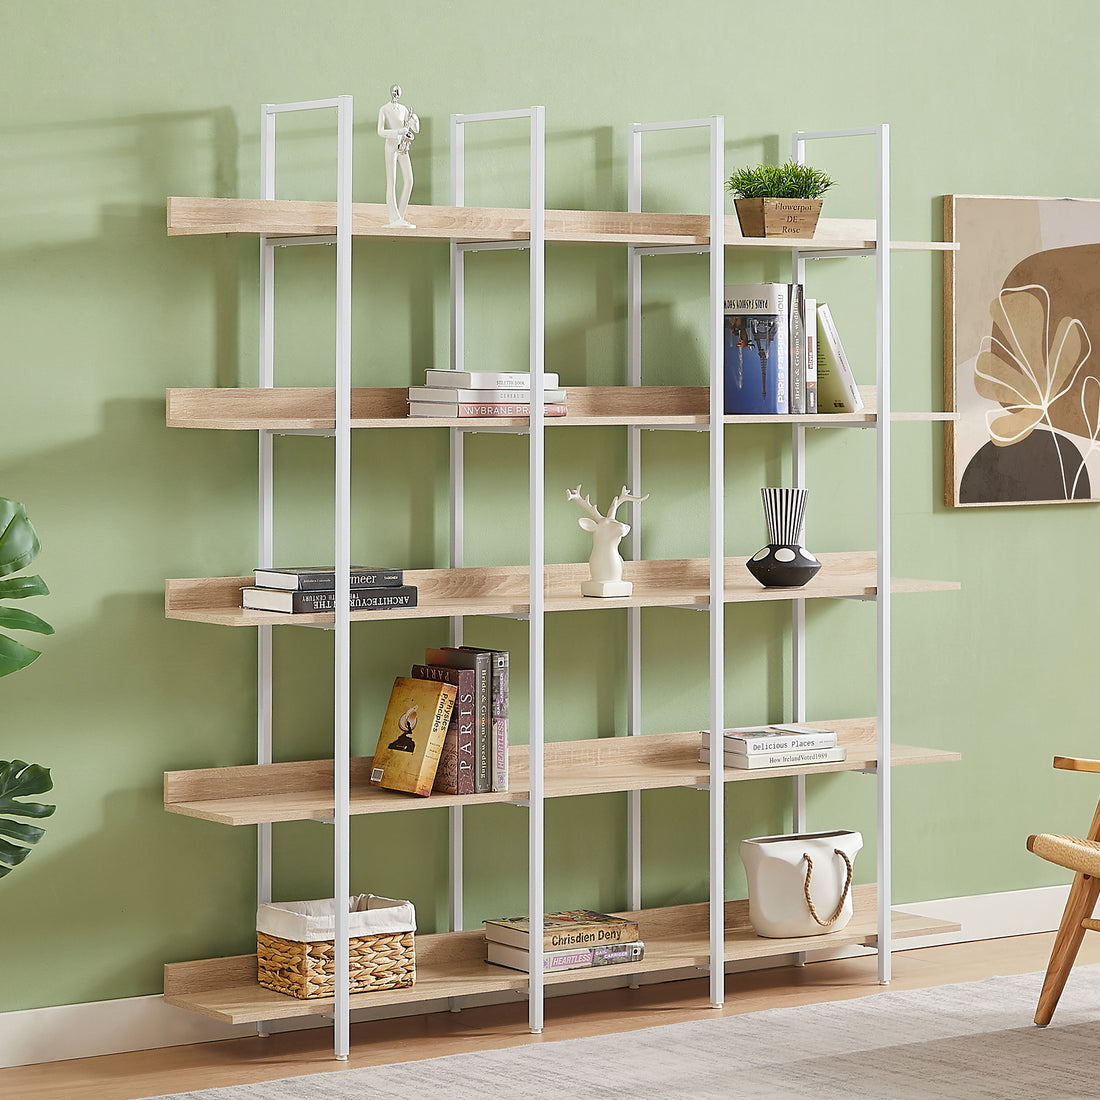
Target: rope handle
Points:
(843, 895)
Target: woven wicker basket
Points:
(301, 964)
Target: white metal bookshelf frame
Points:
(342, 240)
(715, 129)
(882, 426)
(536, 245)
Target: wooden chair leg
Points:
(1082, 898)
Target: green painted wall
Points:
(109, 107)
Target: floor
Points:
(240, 1061)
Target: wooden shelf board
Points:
(298, 218)
(303, 790)
(504, 590)
(452, 964)
(311, 409)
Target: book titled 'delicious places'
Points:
(570, 928)
(412, 735)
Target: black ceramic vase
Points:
(784, 562)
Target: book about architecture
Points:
(303, 578)
(468, 409)
(570, 928)
(309, 600)
(412, 735)
(482, 397)
(837, 391)
(577, 958)
(498, 710)
(787, 758)
(487, 379)
(756, 348)
(455, 774)
(774, 739)
(482, 664)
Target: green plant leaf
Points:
(784, 181)
(15, 619)
(19, 779)
(14, 655)
(19, 543)
(18, 588)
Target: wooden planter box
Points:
(778, 217)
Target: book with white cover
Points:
(837, 391)
(486, 379)
(774, 739)
(789, 759)
(482, 397)
(482, 408)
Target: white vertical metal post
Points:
(537, 632)
(342, 536)
(717, 564)
(634, 544)
(882, 423)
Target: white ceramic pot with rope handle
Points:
(800, 884)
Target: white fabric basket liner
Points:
(311, 921)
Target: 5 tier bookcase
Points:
(451, 965)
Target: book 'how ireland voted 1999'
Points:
(756, 348)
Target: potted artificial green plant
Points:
(781, 200)
(19, 546)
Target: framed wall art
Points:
(1022, 350)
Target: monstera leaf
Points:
(19, 546)
(17, 780)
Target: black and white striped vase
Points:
(784, 562)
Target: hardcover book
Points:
(837, 391)
(412, 735)
(498, 709)
(756, 348)
(575, 959)
(362, 599)
(797, 347)
(455, 774)
(487, 379)
(811, 355)
(481, 663)
(774, 739)
(481, 397)
(303, 577)
(570, 928)
(783, 759)
(469, 409)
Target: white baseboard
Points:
(146, 1023)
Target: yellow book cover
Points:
(412, 735)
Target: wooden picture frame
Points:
(1022, 350)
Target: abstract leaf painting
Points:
(1022, 350)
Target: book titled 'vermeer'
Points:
(412, 735)
(756, 348)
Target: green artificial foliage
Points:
(19, 546)
(779, 181)
(17, 780)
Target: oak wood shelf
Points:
(313, 409)
(504, 590)
(470, 224)
(302, 791)
(452, 964)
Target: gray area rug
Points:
(962, 1041)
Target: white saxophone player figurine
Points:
(399, 126)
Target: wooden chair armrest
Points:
(1077, 764)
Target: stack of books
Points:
(783, 353)
(488, 669)
(301, 589)
(776, 747)
(572, 939)
(480, 393)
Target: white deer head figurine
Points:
(605, 566)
